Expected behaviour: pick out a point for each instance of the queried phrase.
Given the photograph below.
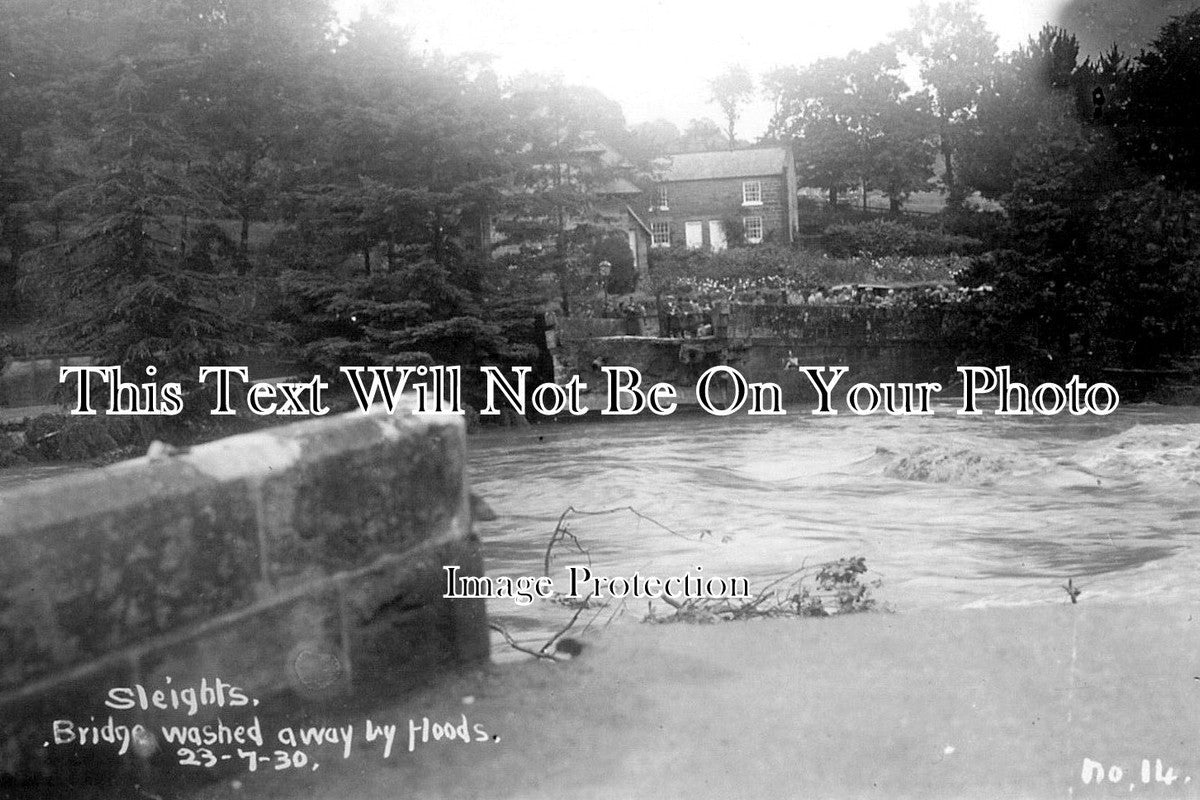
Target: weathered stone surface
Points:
(390, 631)
(111, 558)
(344, 506)
(264, 653)
(25, 727)
(293, 561)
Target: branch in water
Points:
(562, 532)
(515, 645)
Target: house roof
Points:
(638, 220)
(596, 148)
(618, 186)
(721, 164)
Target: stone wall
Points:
(878, 344)
(681, 363)
(840, 324)
(302, 561)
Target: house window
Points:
(752, 193)
(660, 198)
(753, 227)
(660, 234)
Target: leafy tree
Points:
(557, 209)
(955, 52)
(730, 90)
(41, 127)
(413, 315)
(124, 287)
(21, 114)
(409, 161)
(852, 124)
(408, 153)
(702, 135)
(243, 96)
(902, 150)
(829, 156)
(1030, 92)
(123, 179)
(614, 248)
(1159, 125)
(1145, 248)
(650, 139)
(1102, 269)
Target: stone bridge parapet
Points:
(305, 559)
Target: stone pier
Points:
(303, 564)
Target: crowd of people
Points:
(703, 307)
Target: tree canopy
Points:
(183, 179)
(729, 91)
(186, 179)
(955, 52)
(854, 123)
(1093, 163)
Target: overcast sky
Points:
(655, 57)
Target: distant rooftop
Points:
(720, 164)
(618, 185)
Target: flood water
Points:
(949, 511)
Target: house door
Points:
(693, 235)
(716, 235)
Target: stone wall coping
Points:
(59, 498)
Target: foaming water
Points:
(1164, 455)
(949, 511)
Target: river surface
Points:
(948, 511)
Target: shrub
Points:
(988, 227)
(885, 237)
(615, 250)
(875, 238)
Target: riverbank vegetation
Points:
(190, 182)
